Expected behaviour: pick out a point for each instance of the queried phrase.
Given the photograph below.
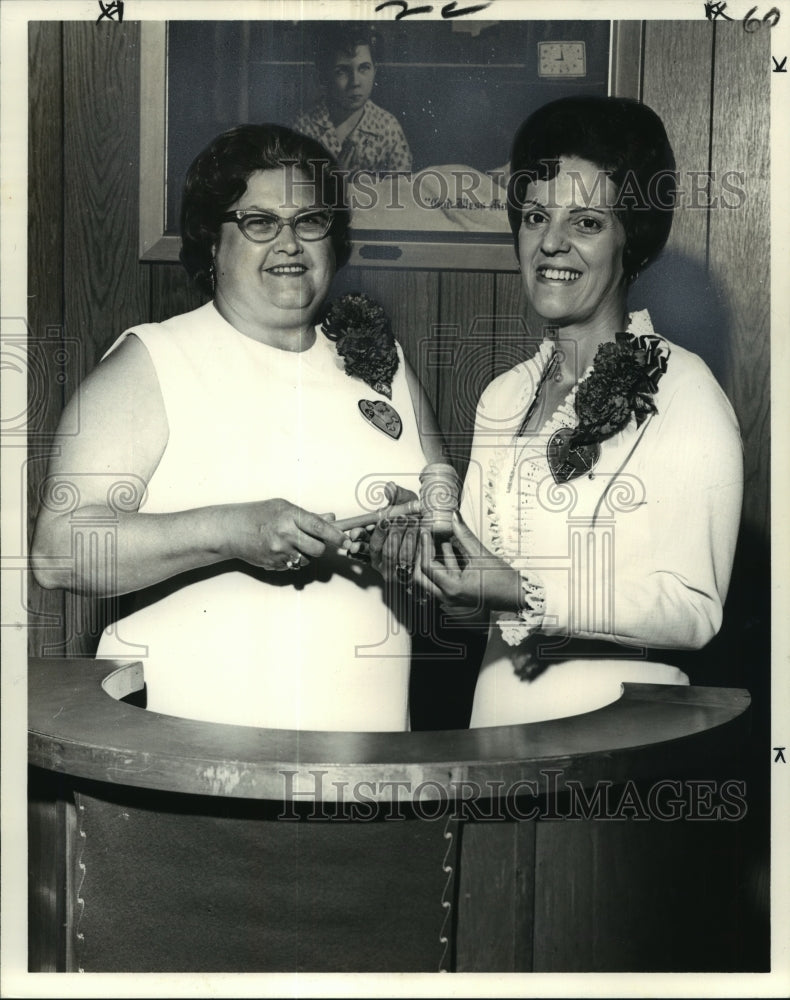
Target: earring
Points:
(212, 275)
(635, 274)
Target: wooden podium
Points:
(609, 841)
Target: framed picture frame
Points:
(458, 90)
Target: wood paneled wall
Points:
(84, 275)
(709, 82)
(710, 289)
(46, 609)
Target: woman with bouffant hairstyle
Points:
(602, 502)
(627, 142)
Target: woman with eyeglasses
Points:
(216, 443)
(602, 502)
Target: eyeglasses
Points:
(263, 227)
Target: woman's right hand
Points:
(273, 533)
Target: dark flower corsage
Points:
(624, 377)
(622, 381)
(362, 333)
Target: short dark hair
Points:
(218, 177)
(623, 137)
(343, 38)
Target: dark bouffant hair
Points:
(218, 177)
(623, 137)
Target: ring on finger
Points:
(403, 572)
(295, 562)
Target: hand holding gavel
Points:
(439, 498)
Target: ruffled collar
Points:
(516, 469)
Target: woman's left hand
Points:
(478, 580)
(393, 542)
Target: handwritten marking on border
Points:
(715, 11)
(448, 10)
(112, 10)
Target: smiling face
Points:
(351, 80)
(272, 291)
(571, 248)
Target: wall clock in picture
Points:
(562, 59)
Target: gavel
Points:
(439, 496)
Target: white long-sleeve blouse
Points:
(635, 555)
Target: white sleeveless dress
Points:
(317, 648)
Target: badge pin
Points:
(568, 463)
(383, 416)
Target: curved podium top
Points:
(77, 726)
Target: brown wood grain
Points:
(739, 253)
(519, 328)
(462, 355)
(172, 292)
(45, 203)
(46, 889)
(496, 897)
(106, 288)
(678, 60)
(47, 386)
(53, 873)
(685, 299)
(631, 895)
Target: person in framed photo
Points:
(355, 130)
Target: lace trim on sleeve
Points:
(515, 627)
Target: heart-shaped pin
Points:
(383, 416)
(568, 462)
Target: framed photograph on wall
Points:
(457, 90)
